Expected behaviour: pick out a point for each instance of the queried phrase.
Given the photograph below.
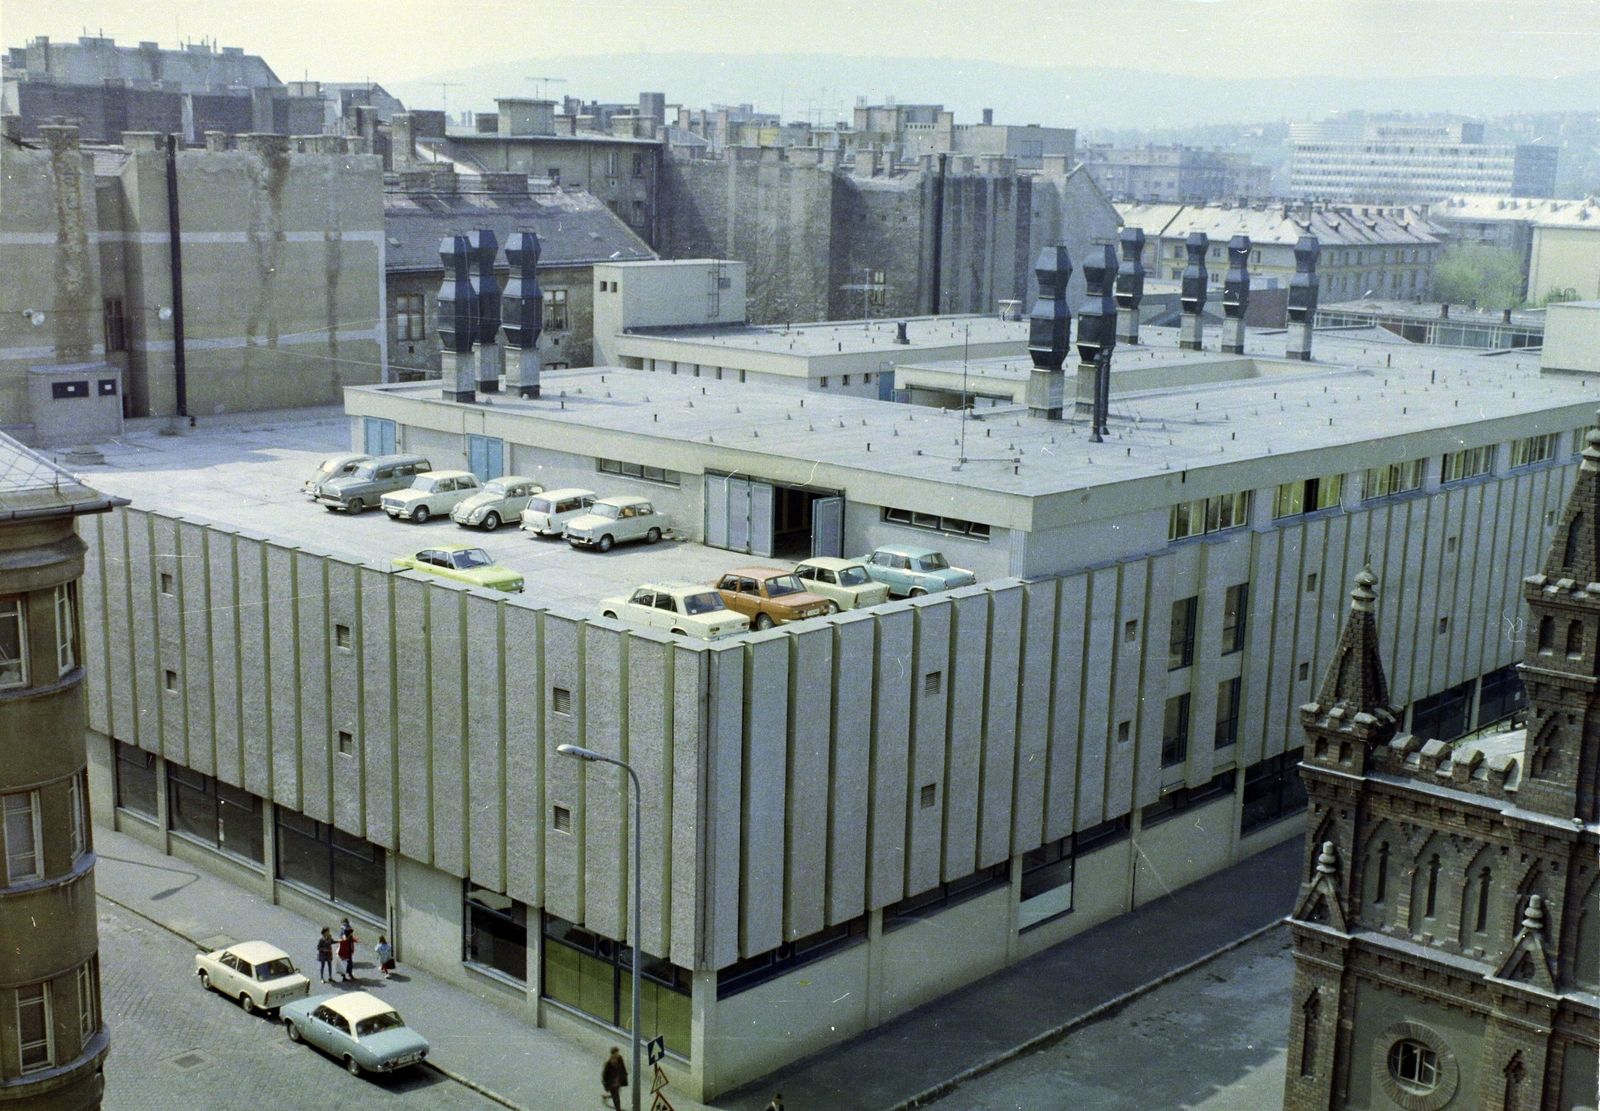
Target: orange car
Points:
(768, 596)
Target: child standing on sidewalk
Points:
(385, 953)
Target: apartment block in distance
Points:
(1400, 163)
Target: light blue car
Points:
(909, 572)
(357, 1028)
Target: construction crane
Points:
(544, 82)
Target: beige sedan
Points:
(845, 582)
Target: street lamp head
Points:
(579, 751)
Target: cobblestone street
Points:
(177, 1046)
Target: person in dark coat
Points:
(325, 955)
(347, 952)
(614, 1077)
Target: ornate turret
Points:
(1352, 714)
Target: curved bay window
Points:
(594, 974)
(495, 932)
(209, 810)
(336, 865)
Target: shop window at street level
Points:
(594, 975)
(1174, 803)
(1273, 790)
(758, 969)
(335, 865)
(495, 931)
(136, 779)
(945, 895)
(223, 817)
(1047, 874)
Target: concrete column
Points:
(1299, 341)
(458, 376)
(491, 364)
(522, 374)
(1083, 396)
(1128, 326)
(1233, 335)
(1046, 391)
(1191, 331)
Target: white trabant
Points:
(501, 499)
(843, 581)
(431, 493)
(548, 513)
(683, 609)
(260, 976)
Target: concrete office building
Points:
(53, 1037)
(1176, 174)
(1400, 163)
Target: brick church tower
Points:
(1447, 930)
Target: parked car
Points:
(371, 479)
(501, 499)
(684, 609)
(357, 1028)
(260, 976)
(771, 597)
(548, 513)
(430, 493)
(463, 563)
(844, 582)
(911, 571)
(614, 521)
(336, 466)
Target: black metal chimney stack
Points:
(1130, 284)
(1097, 336)
(1236, 295)
(523, 312)
(1048, 326)
(1192, 295)
(1303, 297)
(485, 249)
(458, 323)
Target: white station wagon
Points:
(548, 513)
(431, 493)
(616, 521)
(683, 609)
(501, 499)
(260, 976)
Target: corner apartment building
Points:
(1394, 163)
(1554, 239)
(906, 132)
(1176, 174)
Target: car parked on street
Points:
(335, 466)
(548, 513)
(372, 478)
(683, 609)
(357, 1028)
(844, 582)
(260, 976)
(501, 499)
(464, 563)
(910, 571)
(616, 521)
(430, 494)
(768, 596)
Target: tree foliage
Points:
(1490, 277)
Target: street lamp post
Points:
(635, 1080)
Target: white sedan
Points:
(260, 976)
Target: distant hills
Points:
(822, 86)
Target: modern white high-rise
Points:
(1395, 162)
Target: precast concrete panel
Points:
(563, 697)
(526, 817)
(851, 759)
(198, 658)
(1286, 691)
(649, 732)
(929, 684)
(485, 743)
(1075, 780)
(1208, 666)
(1036, 665)
(447, 676)
(1491, 549)
(997, 775)
(686, 671)
(1321, 615)
(888, 809)
(607, 812)
(313, 635)
(722, 807)
(413, 719)
(255, 677)
(1262, 668)
(225, 663)
(1128, 598)
(1406, 530)
(344, 693)
(811, 671)
(122, 698)
(1469, 612)
(283, 673)
(166, 559)
(378, 735)
(1433, 649)
(763, 802)
(969, 643)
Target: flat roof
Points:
(850, 337)
(1427, 311)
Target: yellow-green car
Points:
(465, 564)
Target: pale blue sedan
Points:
(909, 571)
(357, 1028)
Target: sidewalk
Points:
(887, 1067)
(472, 1040)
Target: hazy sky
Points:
(394, 40)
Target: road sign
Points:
(657, 1048)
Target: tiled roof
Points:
(1342, 226)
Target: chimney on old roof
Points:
(1236, 295)
(1303, 297)
(1048, 324)
(1130, 284)
(1192, 293)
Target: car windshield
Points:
(497, 488)
(696, 604)
(933, 562)
(275, 969)
(853, 576)
(779, 585)
(377, 1024)
(470, 558)
(364, 471)
(609, 512)
(422, 482)
(538, 505)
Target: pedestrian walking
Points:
(777, 1102)
(385, 953)
(614, 1078)
(347, 951)
(325, 955)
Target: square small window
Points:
(347, 743)
(341, 636)
(166, 583)
(1124, 729)
(1444, 625)
(933, 682)
(1304, 672)
(928, 795)
(1311, 583)
(561, 700)
(561, 819)
(171, 680)
(1130, 631)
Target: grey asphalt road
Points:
(1211, 1040)
(174, 1045)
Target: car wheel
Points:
(652, 536)
(609, 614)
(605, 543)
(247, 1004)
(762, 622)
(491, 522)
(833, 607)
(679, 633)
(420, 515)
(918, 592)
(355, 507)
(205, 979)
(351, 1066)
(294, 1031)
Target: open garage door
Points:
(738, 514)
(827, 527)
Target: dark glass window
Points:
(1105, 833)
(1501, 695)
(1174, 803)
(594, 974)
(334, 864)
(1273, 789)
(945, 895)
(1047, 874)
(1180, 645)
(746, 974)
(1175, 731)
(1227, 712)
(495, 931)
(136, 779)
(1445, 715)
(208, 810)
(1235, 613)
